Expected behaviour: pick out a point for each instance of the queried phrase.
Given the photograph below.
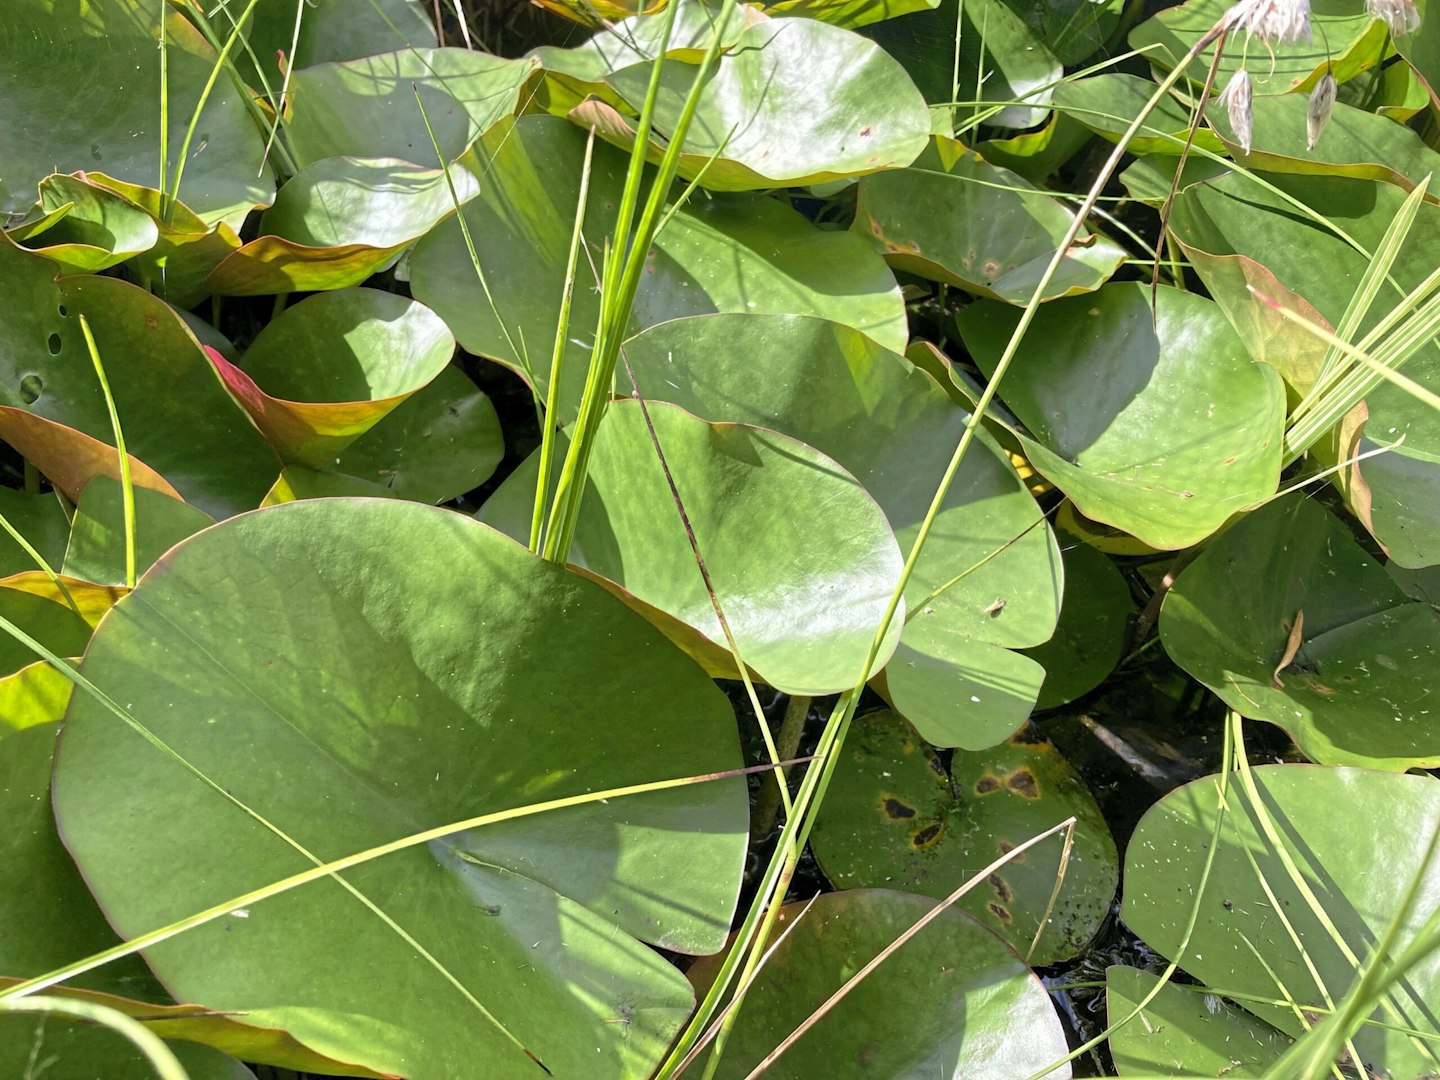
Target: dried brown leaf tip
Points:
(1322, 104)
(1401, 16)
(1236, 97)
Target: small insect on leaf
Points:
(996, 606)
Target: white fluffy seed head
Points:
(1275, 22)
(1236, 97)
(1322, 103)
(1401, 16)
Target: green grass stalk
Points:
(127, 482)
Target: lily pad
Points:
(1343, 44)
(731, 253)
(1357, 865)
(1002, 61)
(896, 815)
(54, 920)
(38, 518)
(95, 229)
(1108, 103)
(1396, 494)
(367, 108)
(355, 671)
(1357, 689)
(849, 13)
(953, 218)
(177, 417)
(338, 221)
(331, 367)
(50, 622)
(761, 114)
(952, 1002)
(988, 580)
(1355, 143)
(328, 30)
(36, 694)
(437, 444)
(1090, 637)
(76, 1051)
(61, 67)
(1182, 1031)
(1164, 429)
(97, 532)
(802, 560)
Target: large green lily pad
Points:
(85, 228)
(355, 671)
(1396, 493)
(1094, 625)
(175, 413)
(892, 427)
(437, 444)
(54, 920)
(896, 815)
(63, 111)
(38, 518)
(367, 108)
(1108, 103)
(1182, 1031)
(801, 558)
(761, 113)
(328, 30)
(340, 220)
(1358, 689)
(1164, 429)
(731, 253)
(330, 368)
(1002, 62)
(951, 217)
(97, 532)
(1339, 827)
(952, 1002)
(1345, 43)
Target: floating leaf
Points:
(437, 444)
(54, 920)
(953, 1001)
(1358, 691)
(1396, 494)
(331, 367)
(328, 30)
(97, 532)
(1358, 866)
(61, 65)
(338, 221)
(953, 218)
(52, 623)
(176, 415)
(1094, 624)
(372, 669)
(1108, 103)
(75, 1050)
(849, 13)
(1182, 1031)
(38, 518)
(1344, 44)
(1355, 143)
(366, 108)
(896, 815)
(801, 558)
(95, 228)
(732, 253)
(1002, 61)
(36, 694)
(1162, 429)
(761, 121)
(895, 430)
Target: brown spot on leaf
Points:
(928, 835)
(1006, 847)
(986, 784)
(1022, 782)
(1001, 889)
(999, 912)
(894, 808)
(1029, 735)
